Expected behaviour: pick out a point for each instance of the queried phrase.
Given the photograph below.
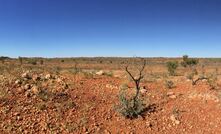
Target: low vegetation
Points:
(189, 62)
(78, 95)
(172, 66)
(169, 84)
(132, 107)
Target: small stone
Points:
(19, 118)
(27, 94)
(18, 82)
(98, 129)
(27, 86)
(107, 132)
(148, 124)
(100, 72)
(16, 114)
(173, 96)
(59, 80)
(35, 90)
(25, 75)
(20, 90)
(143, 91)
(36, 78)
(140, 117)
(129, 132)
(174, 120)
(48, 76)
(177, 122)
(170, 93)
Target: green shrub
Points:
(130, 108)
(172, 66)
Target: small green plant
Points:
(169, 84)
(172, 66)
(44, 95)
(132, 107)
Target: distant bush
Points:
(41, 62)
(188, 62)
(172, 66)
(33, 62)
(20, 60)
(62, 61)
(3, 58)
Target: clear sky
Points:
(72, 28)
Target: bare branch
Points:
(141, 70)
(130, 73)
(199, 79)
(136, 81)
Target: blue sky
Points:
(72, 28)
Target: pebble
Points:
(107, 132)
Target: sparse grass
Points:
(110, 73)
(3, 93)
(88, 75)
(176, 112)
(44, 95)
(212, 81)
(41, 106)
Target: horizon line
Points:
(70, 57)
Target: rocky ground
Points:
(43, 102)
